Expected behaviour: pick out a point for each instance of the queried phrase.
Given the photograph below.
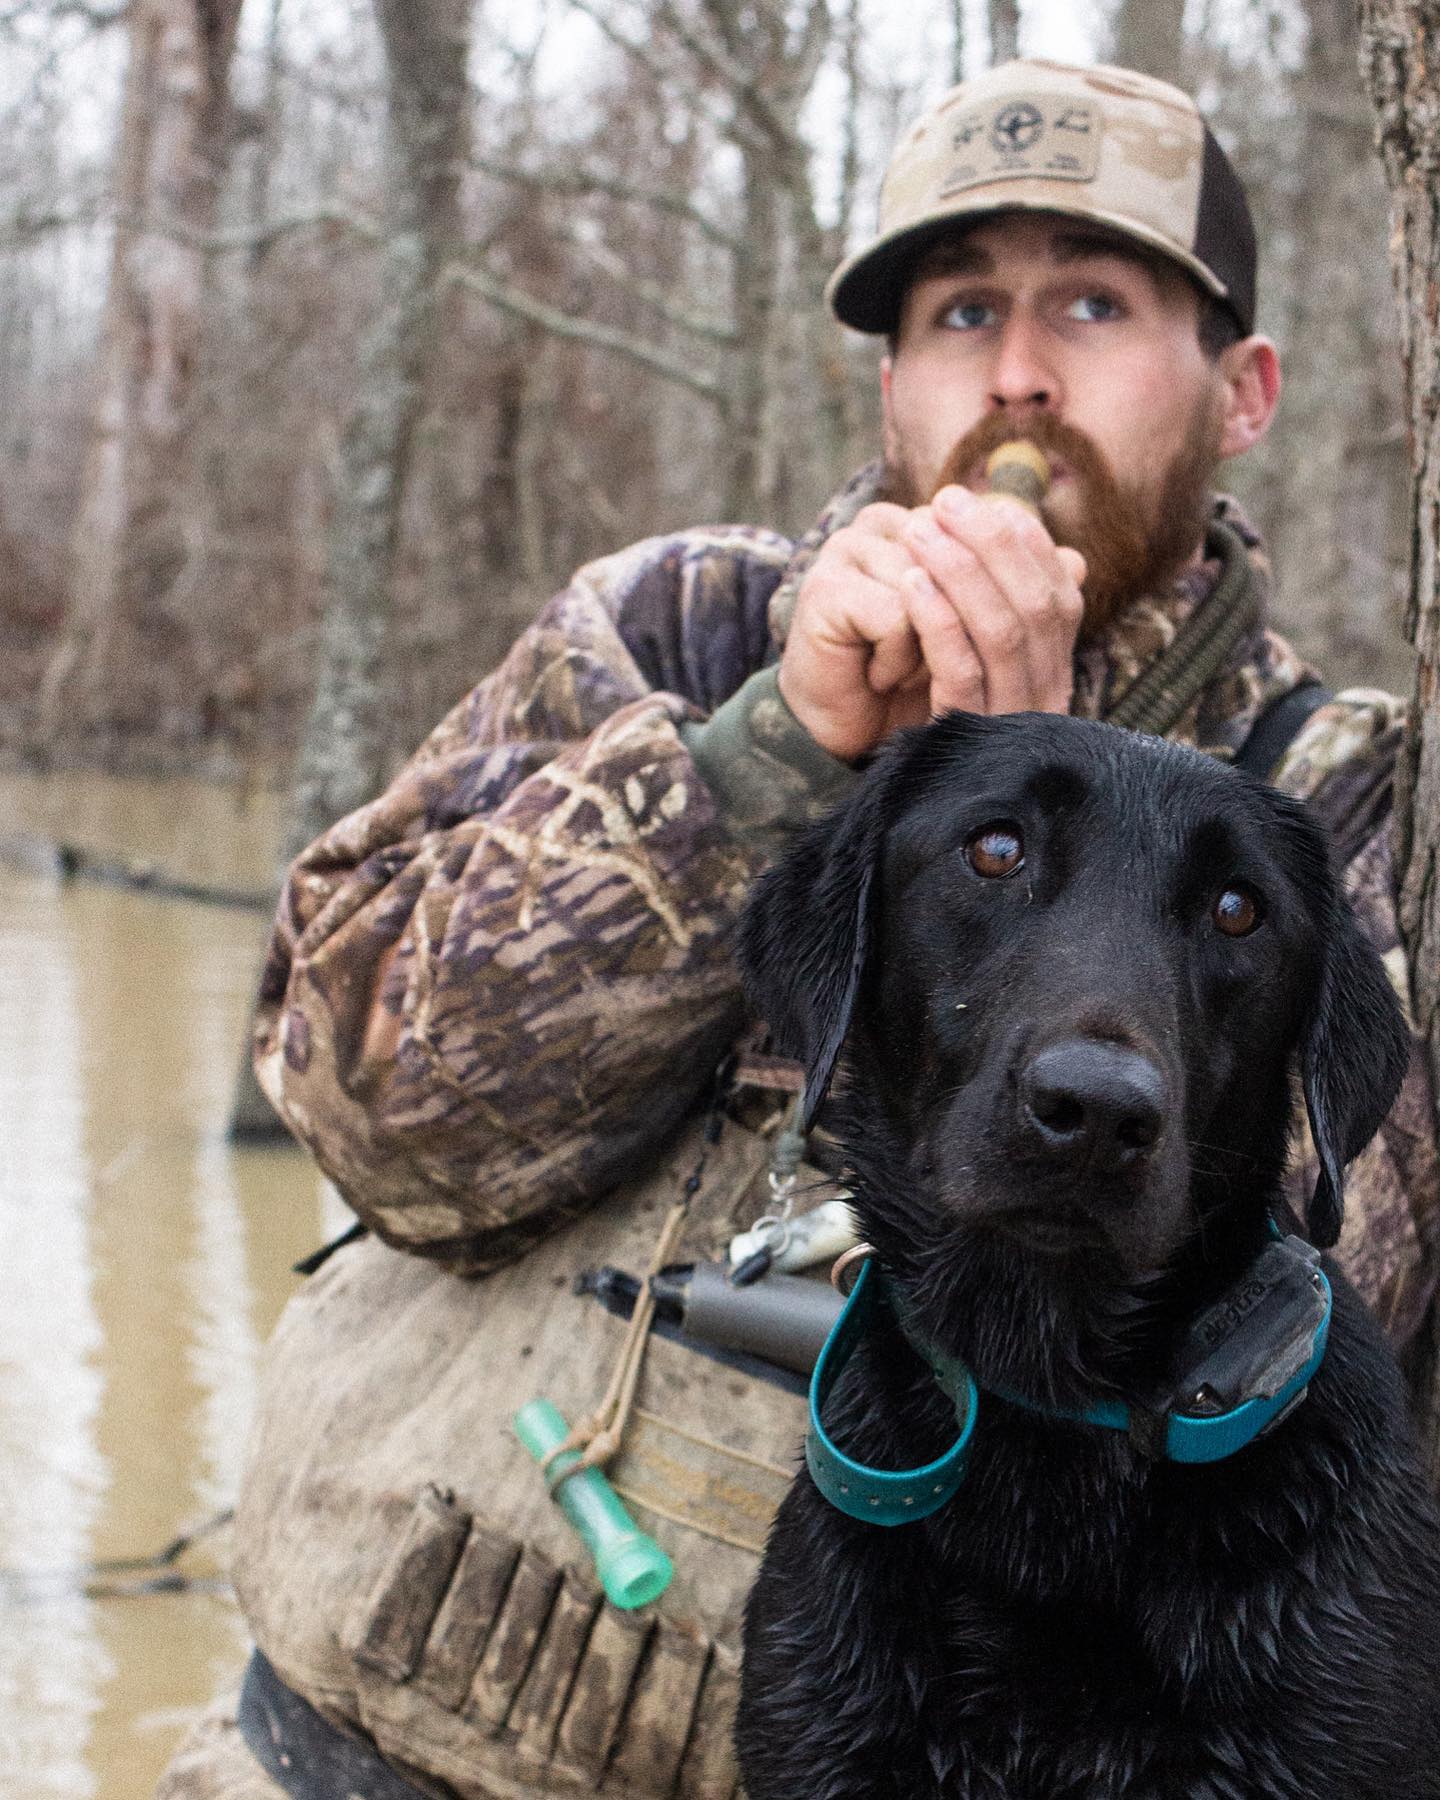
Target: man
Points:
(496, 992)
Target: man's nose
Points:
(1022, 374)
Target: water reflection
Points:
(52, 1475)
(144, 1263)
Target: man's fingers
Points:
(997, 656)
(873, 617)
(1073, 564)
(1013, 590)
(905, 610)
(851, 647)
(873, 543)
(881, 518)
(884, 559)
(957, 677)
(895, 660)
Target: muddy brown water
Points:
(143, 1262)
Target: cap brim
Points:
(865, 292)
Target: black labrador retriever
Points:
(1065, 973)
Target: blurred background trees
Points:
(332, 337)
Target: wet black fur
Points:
(1078, 1621)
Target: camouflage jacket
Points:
(493, 992)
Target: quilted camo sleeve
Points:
(497, 986)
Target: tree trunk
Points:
(268, 133)
(755, 296)
(1400, 51)
(1004, 30)
(1335, 513)
(1149, 35)
(538, 381)
(957, 41)
(346, 744)
(119, 666)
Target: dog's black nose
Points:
(1093, 1103)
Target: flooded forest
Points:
(334, 334)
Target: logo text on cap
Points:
(1056, 139)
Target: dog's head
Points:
(1064, 973)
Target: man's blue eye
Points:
(969, 315)
(1092, 308)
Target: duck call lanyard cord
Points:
(599, 1437)
(1161, 694)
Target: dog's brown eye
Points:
(997, 850)
(1236, 912)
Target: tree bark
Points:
(119, 665)
(1334, 516)
(957, 41)
(767, 58)
(346, 743)
(1149, 35)
(1400, 52)
(267, 134)
(1004, 16)
(755, 290)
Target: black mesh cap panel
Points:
(1225, 232)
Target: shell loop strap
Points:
(1247, 1365)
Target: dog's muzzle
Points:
(1091, 1105)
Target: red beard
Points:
(1132, 544)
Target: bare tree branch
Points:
(738, 82)
(586, 331)
(264, 236)
(957, 41)
(582, 182)
(722, 18)
(622, 41)
(850, 140)
(1004, 18)
(715, 331)
(24, 227)
(349, 97)
(814, 42)
(97, 17)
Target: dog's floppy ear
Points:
(1354, 1050)
(805, 932)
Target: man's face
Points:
(1034, 313)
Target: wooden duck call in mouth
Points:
(1019, 470)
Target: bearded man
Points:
(498, 992)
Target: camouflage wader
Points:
(493, 998)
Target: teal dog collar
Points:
(882, 1496)
(1247, 1362)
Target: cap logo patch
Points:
(1056, 139)
(1016, 128)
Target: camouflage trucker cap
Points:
(1096, 143)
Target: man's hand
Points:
(965, 602)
